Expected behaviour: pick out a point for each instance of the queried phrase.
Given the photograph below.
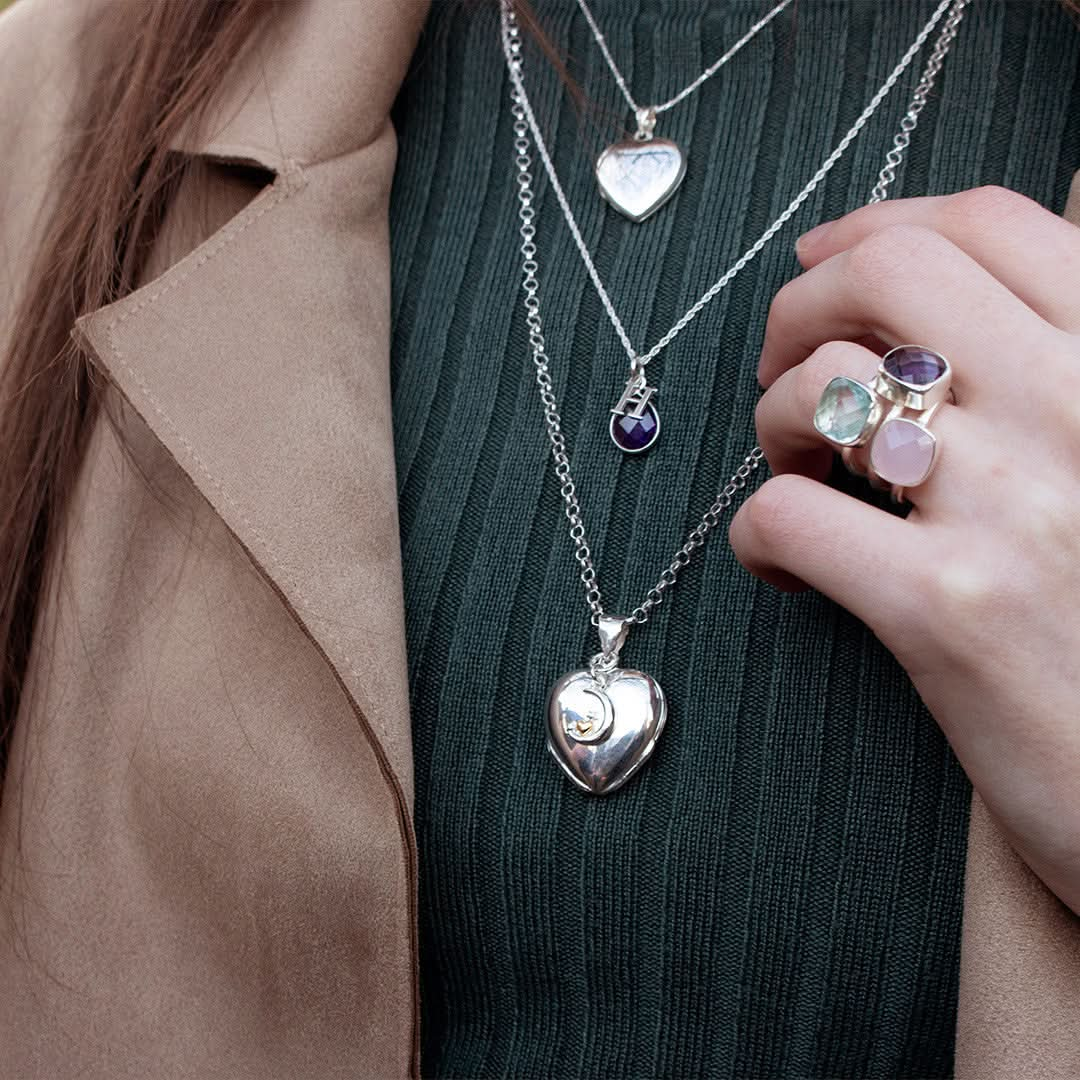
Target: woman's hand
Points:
(977, 590)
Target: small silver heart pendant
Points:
(603, 726)
(639, 175)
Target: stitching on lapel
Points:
(291, 180)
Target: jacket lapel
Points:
(260, 360)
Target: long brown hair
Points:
(165, 62)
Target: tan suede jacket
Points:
(207, 860)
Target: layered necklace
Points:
(603, 721)
(637, 176)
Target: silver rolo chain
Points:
(523, 122)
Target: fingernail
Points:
(809, 239)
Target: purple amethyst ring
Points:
(881, 429)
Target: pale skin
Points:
(977, 591)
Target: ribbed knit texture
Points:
(779, 893)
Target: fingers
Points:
(785, 412)
(793, 529)
(904, 284)
(1031, 251)
(984, 278)
(967, 476)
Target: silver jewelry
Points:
(630, 433)
(637, 176)
(882, 430)
(603, 721)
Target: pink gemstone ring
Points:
(881, 430)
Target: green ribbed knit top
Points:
(779, 892)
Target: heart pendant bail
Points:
(646, 123)
(613, 630)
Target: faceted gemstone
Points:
(635, 433)
(902, 452)
(843, 410)
(915, 366)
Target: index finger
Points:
(1034, 253)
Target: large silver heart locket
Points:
(603, 722)
(602, 734)
(638, 176)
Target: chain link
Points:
(524, 126)
(686, 91)
(918, 101)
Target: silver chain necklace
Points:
(604, 721)
(634, 422)
(637, 176)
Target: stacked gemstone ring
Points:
(881, 430)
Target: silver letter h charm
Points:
(635, 423)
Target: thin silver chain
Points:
(641, 360)
(523, 123)
(686, 91)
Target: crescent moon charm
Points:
(585, 711)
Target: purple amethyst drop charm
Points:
(635, 423)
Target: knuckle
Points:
(957, 597)
(771, 513)
(979, 207)
(965, 589)
(814, 373)
(876, 262)
(1050, 510)
(970, 598)
(810, 380)
(762, 412)
(784, 303)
